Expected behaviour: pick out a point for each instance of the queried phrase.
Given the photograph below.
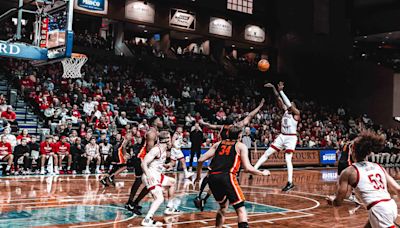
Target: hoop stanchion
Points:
(72, 66)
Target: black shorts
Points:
(225, 186)
(342, 165)
(137, 165)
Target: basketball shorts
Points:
(225, 186)
(137, 165)
(383, 214)
(2, 156)
(159, 180)
(176, 154)
(287, 142)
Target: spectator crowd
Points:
(89, 116)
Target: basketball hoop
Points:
(72, 66)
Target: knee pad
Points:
(239, 205)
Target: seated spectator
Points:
(207, 144)
(47, 151)
(10, 138)
(22, 150)
(24, 135)
(77, 152)
(221, 116)
(34, 154)
(6, 153)
(63, 150)
(92, 153)
(9, 116)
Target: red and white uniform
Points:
(156, 169)
(46, 148)
(62, 148)
(287, 139)
(371, 188)
(5, 149)
(176, 152)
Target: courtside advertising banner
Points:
(92, 6)
(220, 26)
(183, 19)
(327, 157)
(300, 157)
(186, 152)
(139, 11)
(22, 51)
(254, 33)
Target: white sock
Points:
(42, 168)
(289, 164)
(69, 168)
(56, 167)
(149, 216)
(60, 168)
(264, 157)
(87, 167)
(111, 166)
(97, 167)
(8, 168)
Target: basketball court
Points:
(81, 201)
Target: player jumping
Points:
(227, 157)
(370, 181)
(287, 139)
(154, 179)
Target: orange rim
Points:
(78, 55)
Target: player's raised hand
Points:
(281, 85)
(269, 85)
(266, 172)
(330, 200)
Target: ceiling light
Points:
(186, 37)
(233, 45)
(252, 48)
(365, 37)
(145, 30)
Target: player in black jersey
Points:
(224, 133)
(345, 159)
(227, 157)
(120, 156)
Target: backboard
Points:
(54, 29)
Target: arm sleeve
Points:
(285, 99)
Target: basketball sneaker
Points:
(104, 182)
(197, 202)
(149, 222)
(289, 186)
(188, 174)
(133, 208)
(172, 211)
(111, 181)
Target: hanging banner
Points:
(182, 19)
(254, 33)
(220, 26)
(140, 11)
(92, 6)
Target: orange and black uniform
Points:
(223, 174)
(345, 158)
(225, 132)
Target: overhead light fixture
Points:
(186, 37)
(251, 48)
(233, 45)
(145, 31)
(365, 37)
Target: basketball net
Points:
(72, 66)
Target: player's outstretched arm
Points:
(251, 115)
(392, 185)
(276, 93)
(345, 181)
(209, 154)
(211, 126)
(287, 102)
(244, 156)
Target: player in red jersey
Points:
(227, 157)
(47, 151)
(62, 148)
(371, 182)
(6, 153)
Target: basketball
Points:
(263, 65)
